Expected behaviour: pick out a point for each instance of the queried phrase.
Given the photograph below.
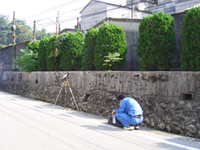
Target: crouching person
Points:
(129, 114)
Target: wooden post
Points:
(14, 50)
(56, 40)
(34, 30)
(132, 9)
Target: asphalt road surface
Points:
(27, 124)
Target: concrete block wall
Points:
(6, 55)
(170, 100)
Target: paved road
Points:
(27, 124)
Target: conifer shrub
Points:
(43, 46)
(34, 46)
(156, 42)
(190, 51)
(111, 39)
(70, 47)
(87, 55)
(51, 57)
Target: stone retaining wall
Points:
(170, 100)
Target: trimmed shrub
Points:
(70, 47)
(51, 58)
(111, 39)
(157, 43)
(34, 46)
(190, 51)
(42, 63)
(87, 55)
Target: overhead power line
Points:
(53, 8)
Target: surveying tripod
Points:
(65, 78)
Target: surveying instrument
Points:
(65, 78)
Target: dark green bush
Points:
(111, 39)
(51, 58)
(87, 55)
(34, 45)
(156, 42)
(70, 47)
(190, 52)
(42, 63)
(27, 61)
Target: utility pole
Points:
(13, 36)
(34, 30)
(56, 40)
(132, 9)
(58, 23)
(78, 26)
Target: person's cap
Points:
(121, 97)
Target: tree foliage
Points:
(70, 47)
(156, 42)
(51, 57)
(42, 63)
(34, 46)
(6, 33)
(190, 52)
(111, 59)
(87, 55)
(27, 61)
(111, 39)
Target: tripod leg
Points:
(58, 94)
(72, 95)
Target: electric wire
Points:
(53, 8)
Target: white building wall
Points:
(92, 14)
(182, 5)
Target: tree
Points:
(87, 55)
(111, 39)
(70, 47)
(42, 63)
(27, 61)
(190, 51)
(51, 58)
(156, 42)
(40, 34)
(34, 46)
(5, 31)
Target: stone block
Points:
(191, 128)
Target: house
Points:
(172, 6)
(95, 11)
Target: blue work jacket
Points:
(129, 106)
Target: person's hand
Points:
(113, 113)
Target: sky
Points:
(46, 11)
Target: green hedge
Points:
(51, 58)
(190, 51)
(87, 56)
(111, 39)
(42, 63)
(157, 43)
(70, 47)
(27, 61)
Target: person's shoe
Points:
(136, 127)
(130, 128)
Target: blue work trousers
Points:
(127, 120)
